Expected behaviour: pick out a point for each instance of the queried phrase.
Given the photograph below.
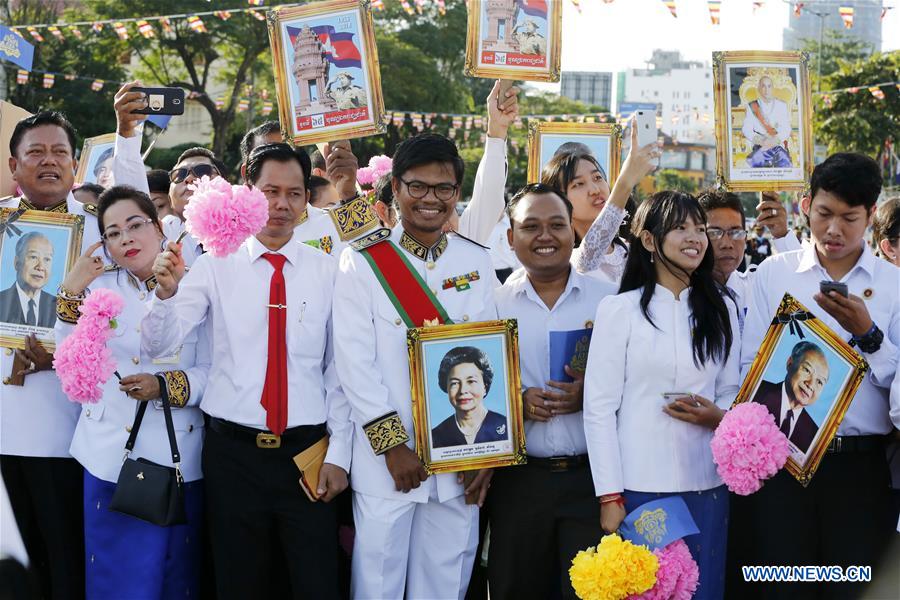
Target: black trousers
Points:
(47, 499)
(266, 536)
(540, 519)
(843, 517)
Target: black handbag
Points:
(146, 490)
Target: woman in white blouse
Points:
(660, 375)
(124, 556)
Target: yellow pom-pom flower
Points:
(614, 570)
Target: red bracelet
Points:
(613, 499)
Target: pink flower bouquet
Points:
(677, 577)
(221, 216)
(378, 166)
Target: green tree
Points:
(670, 179)
(836, 47)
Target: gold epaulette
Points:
(377, 236)
(385, 432)
(353, 218)
(91, 209)
(68, 309)
(179, 387)
(110, 268)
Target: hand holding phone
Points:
(834, 286)
(645, 121)
(161, 101)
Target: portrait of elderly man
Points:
(767, 126)
(807, 374)
(25, 302)
(345, 93)
(530, 41)
(465, 375)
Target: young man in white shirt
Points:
(415, 535)
(544, 512)
(271, 392)
(843, 516)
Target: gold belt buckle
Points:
(268, 440)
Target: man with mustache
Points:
(25, 302)
(807, 374)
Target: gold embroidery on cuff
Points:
(179, 387)
(67, 309)
(385, 432)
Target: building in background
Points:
(816, 16)
(594, 89)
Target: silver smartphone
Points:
(645, 121)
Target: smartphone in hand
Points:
(834, 286)
(161, 101)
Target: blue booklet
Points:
(568, 348)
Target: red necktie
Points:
(274, 395)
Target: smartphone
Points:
(505, 85)
(673, 396)
(645, 121)
(161, 101)
(834, 286)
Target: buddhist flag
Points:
(49, 78)
(97, 85)
(758, 5)
(267, 108)
(121, 30)
(670, 4)
(397, 119)
(35, 34)
(196, 23)
(798, 8)
(715, 7)
(146, 29)
(76, 32)
(21, 77)
(56, 32)
(223, 14)
(378, 4)
(442, 7)
(220, 102)
(846, 13)
(876, 91)
(243, 104)
(457, 122)
(258, 15)
(97, 27)
(255, 2)
(166, 25)
(69, 77)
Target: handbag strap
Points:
(170, 426)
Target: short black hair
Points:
(248, 142)
(118, 193)
(278, 152)
(886, 225)
(425, 149)
(207, 153)
(317, 160)
(560, 170)
(46, 117)
(158, 181)
(316, 183)
(537, 188)
(711, 199)
(104, 156)
(466, 354)
(93, 188)
(854, 178)
(384, 192)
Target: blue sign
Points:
(627, 108)
(658, 523)
(161, 121)
(15, 49)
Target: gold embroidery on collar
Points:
(421, 251)
(59, 207)
(303, 218)
(150, 282)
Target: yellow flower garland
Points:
(614, 570)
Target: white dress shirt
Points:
(502, 254)
(128, 166)
(232, 293)
(103, 428)
(785, 408)
(36, 419)
(24, 299)
(632, 444)
(488, 200)
(562, 435)
(877, 282)
(371, 352)
(317, 229)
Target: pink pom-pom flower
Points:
(221, 216)
(82, 361)
(677, 577)
(378, 166)
(748, 448)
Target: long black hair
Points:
(710, 323)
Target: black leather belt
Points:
(856, 443)
(266, 439)
(559, 463)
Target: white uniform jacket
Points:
(370, 346)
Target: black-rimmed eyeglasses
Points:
(420, 189)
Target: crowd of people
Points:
(299, 335)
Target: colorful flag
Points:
(49, 78)
(255, 2)
(258, 15)
(220, 102)
(876, 91)
(76, 32)
(267, 108)
(21, 77)
(378, 4)
(35, 34)
(196, 23)
(166, 25)
(670, 4)
(534, 8)
(339, 47)
(715, 7)
(798, 8)
(146, 29)
(56, 32)
(397, 119)
(69, 77)
(846, 13)
(442, 7)
(97, 27)
(243, 104)
(121, 30)
(223, 14)
(97, 85)
(15, 49)
(406, 7)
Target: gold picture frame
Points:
(750, 152)
(60, 233)
(323, 109)
(803, 351)
(602, 138)
(96, 150)
(534, 52)
(485, 352)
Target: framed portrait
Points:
(514, 39)
(806, 375)
(95, 163)
(467, 399)
(763, 111)
(37, 249)
(602, 140)
(326, 71)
